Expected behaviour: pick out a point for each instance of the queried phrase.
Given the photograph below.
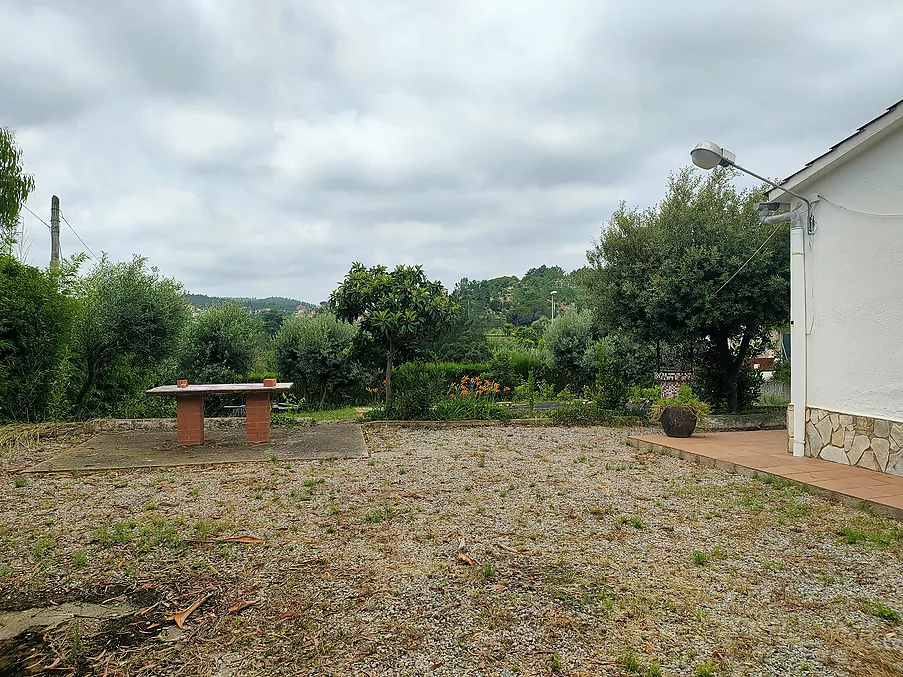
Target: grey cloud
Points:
(259, 148)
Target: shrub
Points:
(129, 321)
(34, 326)
(622, 363)
(417, 390)
(447, 373)
(510, 368)
(582, 414)
(312, 352)
(685, 398)
(221, 343)
(570, 347)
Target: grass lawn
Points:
(482, 551)
(334, 414)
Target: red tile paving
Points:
(765, 452)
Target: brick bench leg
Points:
(257, 417)
(190, 420)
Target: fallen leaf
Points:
(253, 540)
(464, 557)
(411, 494)
(498, 587)
(286, 615)
(180, 617)
(508, 548)
(240, 604)
(434, 666)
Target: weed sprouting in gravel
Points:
(706, 669)
(700, 558)
(633, 520)
(556, 663)
(20, 481)
(314, 481)
(42, 547)
(884, 612)
(205, 528)
(486, 572)
(80, 559)
(630, 662)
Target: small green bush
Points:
(685, 398)
(582, 414)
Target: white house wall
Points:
(855, 312)
(855, 272)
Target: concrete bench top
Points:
(220, 389)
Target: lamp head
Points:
(708, 155)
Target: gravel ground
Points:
(585, 556)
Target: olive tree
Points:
(221, 343)
(312, 352)
(660, 273)
(396, 312)
(129, 319)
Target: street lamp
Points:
(708, 155)
(553, 305)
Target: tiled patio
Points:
(765, 452)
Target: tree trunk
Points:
(730, 367)
(389, 380)
(85, 389)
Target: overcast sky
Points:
(258, 147)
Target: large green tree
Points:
(129, 319)
(396, 312)
(221, 343)
(658, 273)
(15, 187)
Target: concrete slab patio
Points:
(157, 448)
(765, 452)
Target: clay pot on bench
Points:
(678, 421)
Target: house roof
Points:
(862, 138)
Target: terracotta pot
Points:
(269, 382)
(678, 421)
(182, 383)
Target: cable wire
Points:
(755, 253)
(63, 217)
(37, 217)
(856, 211)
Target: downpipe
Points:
(797, 326)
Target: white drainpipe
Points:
(797, 326)
(798, 334)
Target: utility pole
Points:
(54, 232)
(553, 306)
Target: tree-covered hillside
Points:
(522, 301)
(253, 304)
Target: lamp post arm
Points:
(771, 183)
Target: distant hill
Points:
(256, 305)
